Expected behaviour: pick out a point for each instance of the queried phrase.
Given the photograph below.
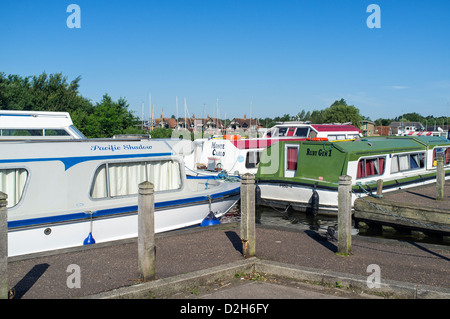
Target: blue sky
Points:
(266, 57)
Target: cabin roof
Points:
(335, 127)
(323, 162)
(34, 119)
(380, 145)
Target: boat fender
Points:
(89, 239)
(315, 202)
(210, 219)
(257, 195)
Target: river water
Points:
(302, 221)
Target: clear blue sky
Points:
(277, 56)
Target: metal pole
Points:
(4, 290)
(344, 215)
(248, 215)
(146, 231)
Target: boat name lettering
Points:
(217, 145)
(137, 147)
(218, 149)
(320, 152)
(126, 147)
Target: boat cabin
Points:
(305, 130)
(15, 125)
(240, 156)
(290, 171)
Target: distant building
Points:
(382, 131)
(243, 125)
(406, 128)
(416, 128)
(367, 128)
(166, 123)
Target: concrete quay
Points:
(203, 263)
(414, 208)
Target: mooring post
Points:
(4, 290)
(379, 187)
(440, 175)
(146, 231)
(248, 215)
(345, 215)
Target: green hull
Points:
(319, 164)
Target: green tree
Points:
(340, 112)
(54, 92)
(161, 132)
(110, 118)
(316, 117)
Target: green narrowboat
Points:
(305, 174)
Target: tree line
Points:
(338, 112)
(53, 92)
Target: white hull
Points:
(299, 197)
(27, 240)
(55, 189)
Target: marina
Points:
(224, 154)
(69, 199)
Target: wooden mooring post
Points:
(440, 175)
(248, 214)
(344, 215)
(379, 187)
(4, 290)
(146, 231)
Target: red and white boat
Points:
(238, 156)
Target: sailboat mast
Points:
(176, 102)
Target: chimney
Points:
(245, 116)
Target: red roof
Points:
(335, 127)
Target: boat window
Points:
(252, 159)
(292, 155)
(77, 132)
(291, 131)
(122, 179)
(446, 151)
(332, 137)
(282, 131)
(56, 132)
(302, 132)
(335, 137)
(312, 134)
(407, 162)
(12, 183)
(370, 167)
(22, 132)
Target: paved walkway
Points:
(104, 268)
